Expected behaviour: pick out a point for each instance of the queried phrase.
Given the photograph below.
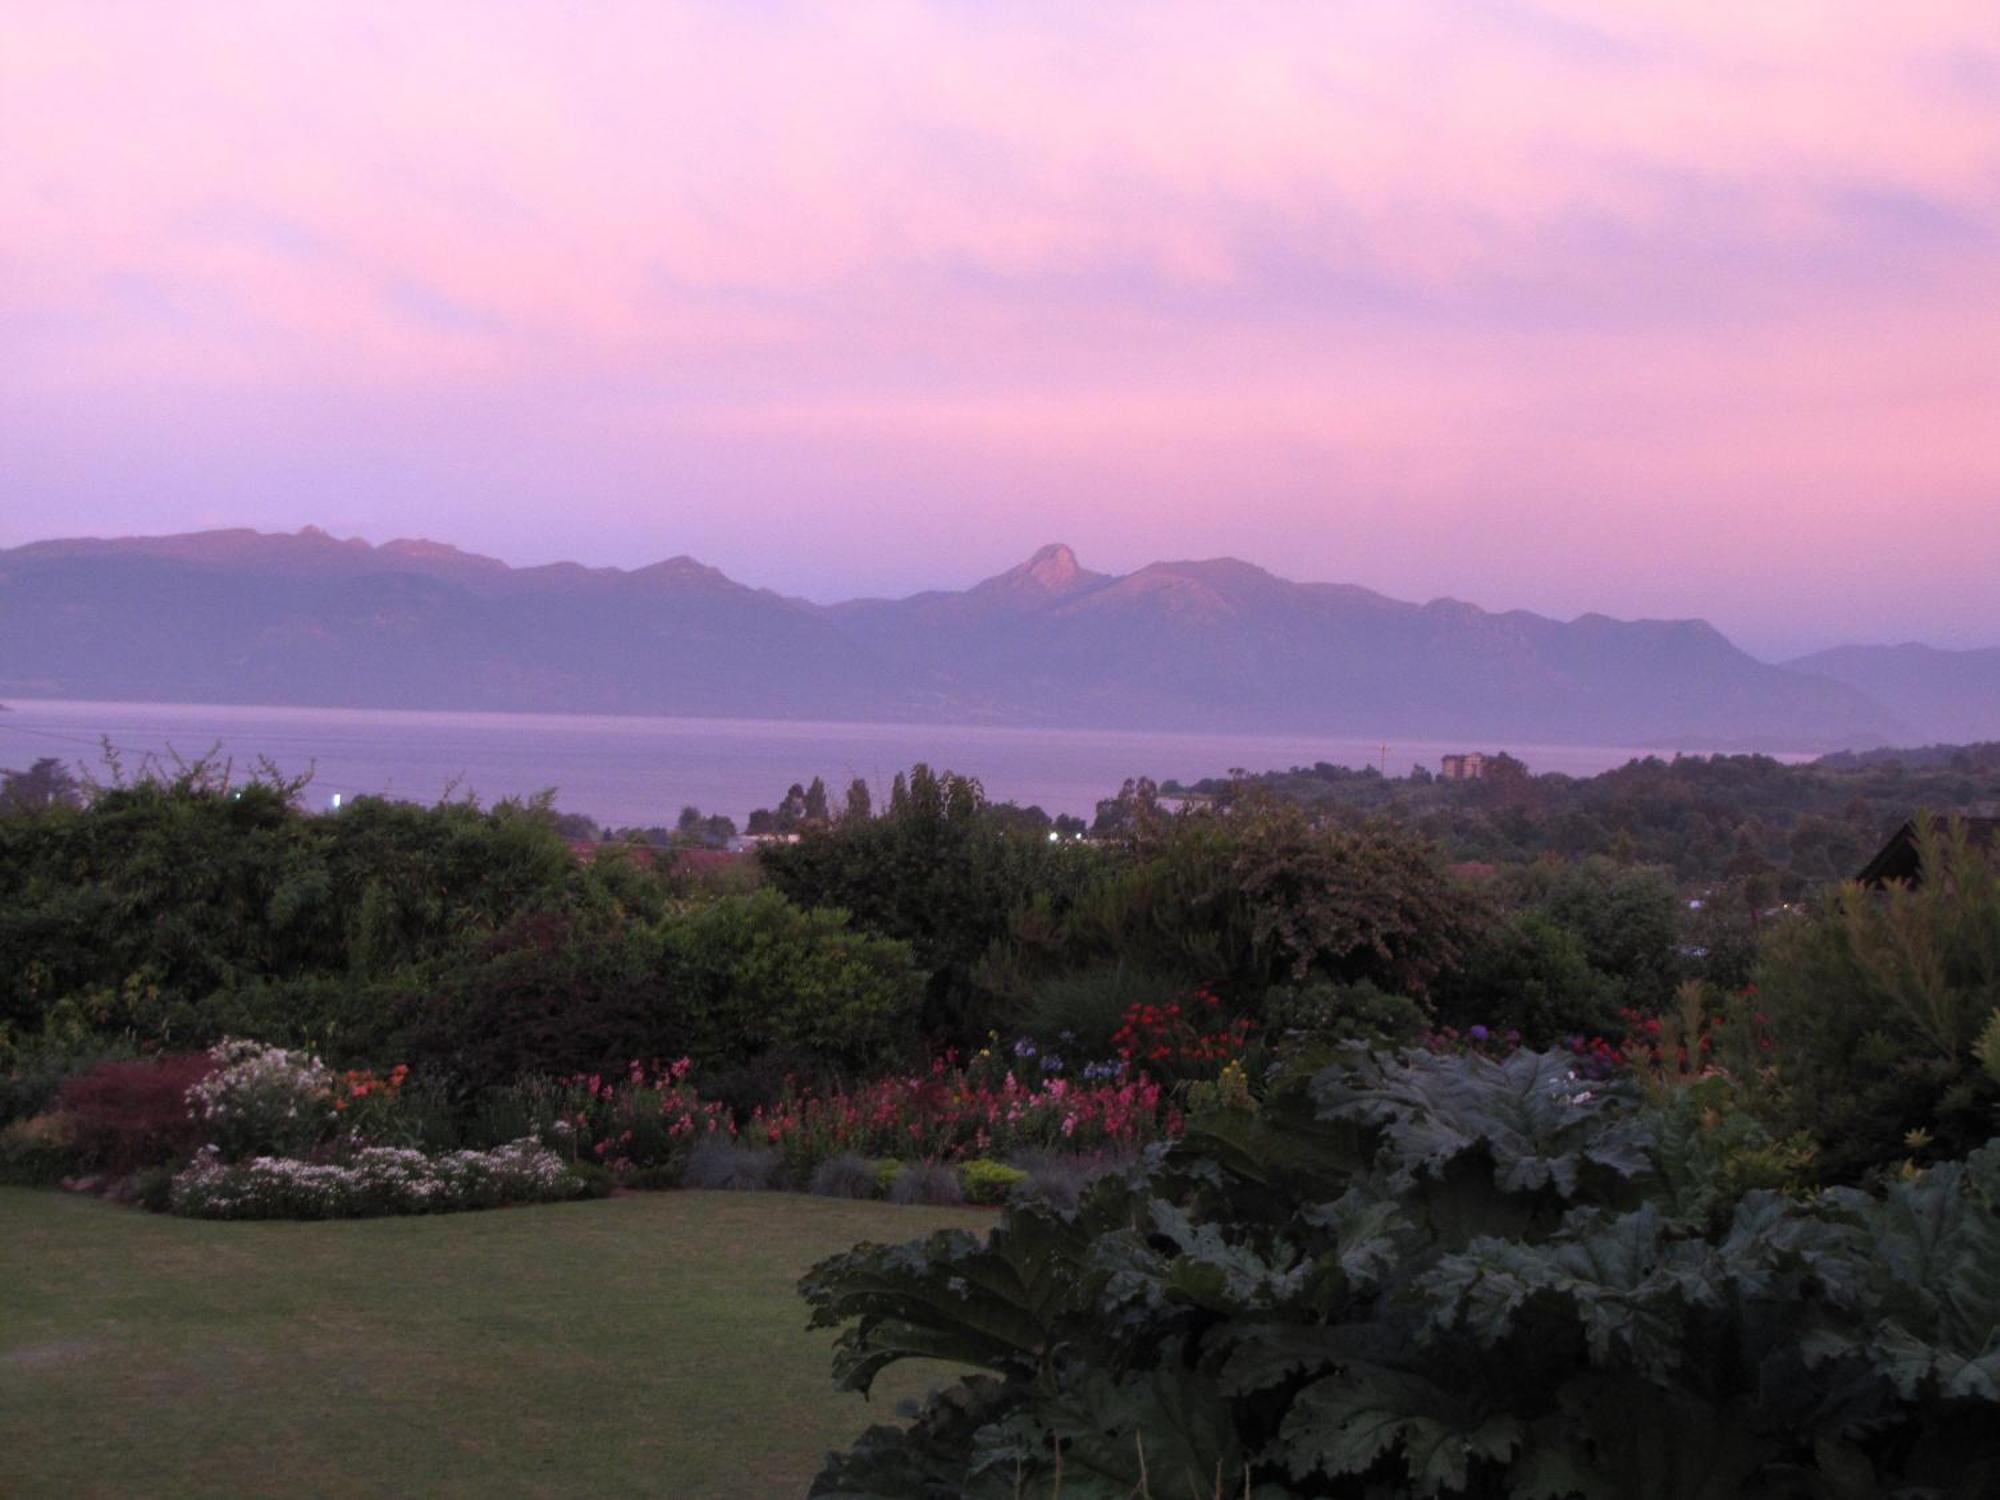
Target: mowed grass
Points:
(652, 1344)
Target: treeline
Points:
(1721, 818)
(173, 911)
(475, 946)
(168, 913)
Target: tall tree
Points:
(859, 808)
(45, 784)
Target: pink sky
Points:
(1665, 307)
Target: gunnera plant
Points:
(927, 1182)
(843, 1176)
(725, 1165)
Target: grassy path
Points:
(650, 1344)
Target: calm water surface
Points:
(638, 771)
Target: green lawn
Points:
(651, 1344)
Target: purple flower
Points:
(1478, 1033)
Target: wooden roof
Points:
(1901, 859)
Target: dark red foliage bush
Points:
(135, 1114)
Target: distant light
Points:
(1053, 836)
(336, 802)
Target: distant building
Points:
(1469, 767)
(1902, 859)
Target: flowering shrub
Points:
(647, 1117)
(366, 1101)
(127, 1115)
(1177, 1040)
(1690, 1042)
(376, 1180)
(261, 1100)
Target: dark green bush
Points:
(598, 1181)
(1326, 1014)
(660, 1179)
(1876, 1005)
(38, 1152)
(1441, 1276)
(749, 974)
(1081, 1010)
(153, 1189)
(938, 871)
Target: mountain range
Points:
(305, 619)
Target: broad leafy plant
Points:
(1442, 1275)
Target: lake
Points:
(642, 771)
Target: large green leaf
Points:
(1541, 1123)
(1350, 1421)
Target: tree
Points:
(815, 810)
(858, 809)
(792, 811)
(705, 832)
(45, 784)
(1131, 812)
(936, 871)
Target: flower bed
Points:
(644, 1118)
(376, 1180)
(946, 1115)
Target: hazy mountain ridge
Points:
(303, 618)
(1953, 695)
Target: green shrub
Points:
(754, 973)
(1440, 1275)
(549, 991)
(33, 1073)
(175, 910)
(938, 871)
(153, 1189)
(989, 1182)
(597, 1181)
(1876, 1007)
(886, 1170)
(1326, 1014)
(1081, 1010)
(660, 1179)
(38, 1152)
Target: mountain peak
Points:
(1052, 571)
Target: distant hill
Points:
(1953, 695)
(248, 617)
